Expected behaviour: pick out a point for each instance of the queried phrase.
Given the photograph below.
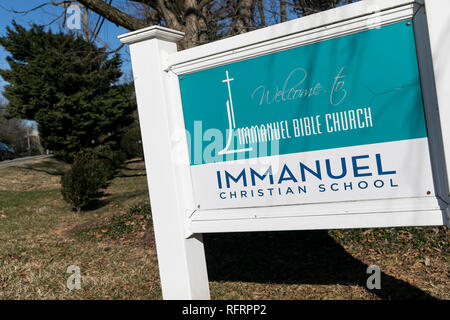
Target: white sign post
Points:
(181, 259)
(438, 20)
(405, 165)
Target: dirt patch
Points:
(69, 233)
(123, 227)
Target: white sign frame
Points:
(179, 223)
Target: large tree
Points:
(206, 20)
(68, 86)
(202, 21)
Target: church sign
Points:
(338, 120)
(335, 120)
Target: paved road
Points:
(10, 163)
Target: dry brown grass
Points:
(35, 252)
(41, 174)
(38, 236)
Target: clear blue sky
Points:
(45, 15)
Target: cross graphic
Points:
(228, 80)
(231, 123)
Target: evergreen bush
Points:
(113, 160)
(82, 182)
(131, 143)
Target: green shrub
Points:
(131, 143)
(90, 171)
(112, 160)
(83, 181)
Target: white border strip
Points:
(323, 209)
(341, 21)
(369, 220)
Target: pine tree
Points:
(68, 86)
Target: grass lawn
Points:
(40, 236)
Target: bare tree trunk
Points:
(191, 25)
(262, 16)
(112, 14)
(283, 10)
(306, 7)
(85, 24)
(199, 19)
(203, 26)
(242, 19)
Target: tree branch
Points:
(113, 14)
(37, 7)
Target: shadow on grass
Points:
(133, 169)
(131, 175)
(294, 257)
(103, 199)
(136, 160)
(47, 167)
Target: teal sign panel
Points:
(359, 89)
